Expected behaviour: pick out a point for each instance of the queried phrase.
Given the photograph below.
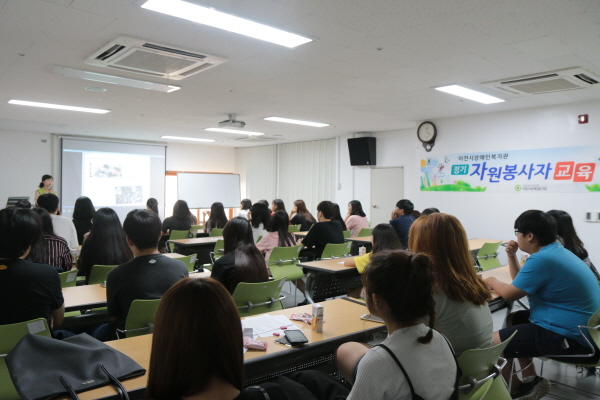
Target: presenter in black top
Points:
(323, 232)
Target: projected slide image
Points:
(113, 179)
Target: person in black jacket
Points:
(323, 232)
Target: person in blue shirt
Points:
(563, 294)
(402, 219)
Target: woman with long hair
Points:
(399, 290)
(217, 218)
(83, 213)
(278, 235)
(181, 220)
(152, 205)
(461, 296)
(301, 216)
(277, 205)
(106, 244)
(356, 219)
(260, 219)
(241, 261)
(337, 216)
(384, 238)
(55, 249)
(567, 236)
(245, 205)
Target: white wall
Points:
(199, 158)
(488, 215)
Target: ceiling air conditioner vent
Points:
(554, 81)
(257, 139)
(141, 57)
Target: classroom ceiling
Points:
(371, 68)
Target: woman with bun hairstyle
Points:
(461, 296)
(45, 186)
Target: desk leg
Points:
(310, 287)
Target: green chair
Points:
(140, 319)
(216, 253)
(282, 264)
(480, 366)
(258, 298)
(347, 234)
(68, 279)
(174, 235)
(294, 228)
(9, 337)
(196, 228)
(336, 250)
(216, 232)
(487, 256)
(189, 261)
(364, 232)
(99, 273)
(258, 239)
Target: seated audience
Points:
(217, 218)
(260, 219)
(63, 226)
(241, 260)
(301, 216)
(567, 236)
(106, 244)
(278, 235)
(148, 276)
(56, 249)
(265, 202)
(563, 293)
(430, 210)
(461, 296)
(277, 205)
(402, 219)
(181, 220)
(356, 219)
(337, 216)
(83, 213)
(245, 208)
(23, 204)
(323, 232)
(152, 205)
(384, 238)
(399, 290)
(29, 290)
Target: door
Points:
(387, 187)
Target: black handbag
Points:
(42, 367)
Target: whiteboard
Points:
(201, 190)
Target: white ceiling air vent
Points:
(547, 82)
(153, 59)
(257, 139)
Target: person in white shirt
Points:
(63, 226)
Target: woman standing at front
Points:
(45, 187)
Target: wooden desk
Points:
(362, 239)
(476, 244)
(204, 241)
(342, 324)
(329, 278)
(300, 234)
(502, 274)
(84, 297)
(201, 246)
(173, 255)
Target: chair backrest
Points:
(294, 228)
(365, 232)
(258, 239)
(219, 245)
(347, 234)
(216, 232)
(99, 273)
(174, 235)
(68, 279)
(336, 250)
(282, 263)
(487, 256)
(189, 261)
(478, 364)
(195, 227)
(258, 298)
(140, 319)
(595, 322)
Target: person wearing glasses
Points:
(563, 294)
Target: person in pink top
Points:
(356, 219)
(278, 235)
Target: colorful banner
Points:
(564, 169)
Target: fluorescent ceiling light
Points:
(296, 121)
(217, 19)
(470, 94)
(234, 131)
(187, 138)
(58, 106)
(115, 80)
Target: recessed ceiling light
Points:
(217, 19)
(58, 106)
(95, 89)
(234, 131)
(187, 138)
(115, 80)
(470, 94)
(296, 121)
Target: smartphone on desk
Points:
(295, 337)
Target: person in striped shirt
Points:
(56, 249)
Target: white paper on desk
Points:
(341, 262)
(266, 325)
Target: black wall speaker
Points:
(362, 151)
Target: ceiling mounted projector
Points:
(232, 123)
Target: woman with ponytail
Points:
(399, 290)
(461, 296)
